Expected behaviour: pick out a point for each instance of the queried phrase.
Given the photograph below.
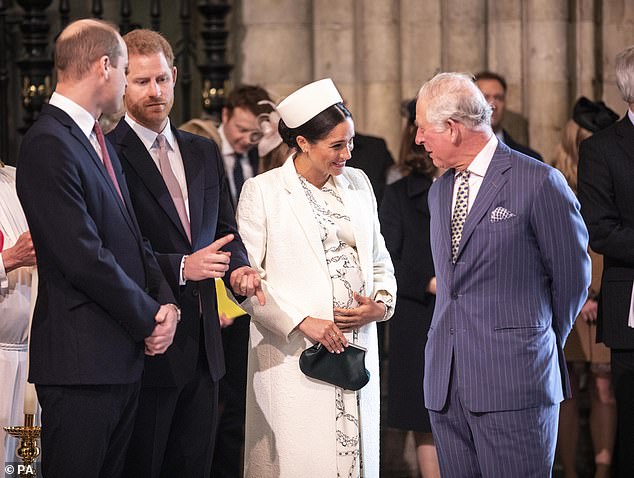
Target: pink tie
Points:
(172, 184)
(105, 157)
(1, 241)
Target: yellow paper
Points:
(225, 304)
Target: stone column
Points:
(376, 106)
(546, 60)
(618, 34)
(277, 44)
(505, 47)
(463, 35)
(421, 46)
(334, 45)
(585, 80)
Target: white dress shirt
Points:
(229, 160)
(148, 138)
(478, 169)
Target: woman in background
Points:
(583, 354)
(404, 218)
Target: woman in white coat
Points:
(311, 230)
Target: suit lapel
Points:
(489, 189)
(78, 134)
(302, 210)
(133, 150)
(194, 176)
(625, 136)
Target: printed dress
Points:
(342, 259)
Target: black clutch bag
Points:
(346, 370)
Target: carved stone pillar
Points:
(277, 45)
(421, 48)
(463, 33)
(35, 63)
(547, 86)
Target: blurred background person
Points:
(583, 355)
(311, 229)
(493, 87)
(17, 259)
(404, 217)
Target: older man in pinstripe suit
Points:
(512, 273)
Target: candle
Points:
(30, 399)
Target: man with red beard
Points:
(179, 192)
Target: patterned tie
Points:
(459, 213)
(238, 174)
(105, 157)
(172, 184)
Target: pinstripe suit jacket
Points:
(504, 310)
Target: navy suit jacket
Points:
(504, 310)
(606, 193)
(95, 271)
(211, 217)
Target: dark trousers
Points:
(175, 429)
(86, 429)
(623, 383)
(228, 457)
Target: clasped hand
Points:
(367, 311)
(21, 254)
(163, 334)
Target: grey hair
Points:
(625, 74)
(455, 96)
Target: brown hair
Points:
(412, 157)
(81, 44)
(148, 42)
(566, 156)
(248, 97)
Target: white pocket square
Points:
(501, 214)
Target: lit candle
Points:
(30, 395)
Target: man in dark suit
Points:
(493, 87)
(370, 154)
(93, 316)
(180, 195)
(606, 193)
(512, 272)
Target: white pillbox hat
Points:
(304, 104)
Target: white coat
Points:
(290, 419)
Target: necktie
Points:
(459, 213)
(105, 157)
(238, 174)
(172, 184)
(1, 241)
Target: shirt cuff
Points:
(4, 280)
(181, 275)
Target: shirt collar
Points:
(147, 136)
(481, 162)
(630, 115)
(79, 114)
(227, 150)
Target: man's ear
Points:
(174, 72)
(104, 66)
(455, 132)
(226, 115)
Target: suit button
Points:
(451, 330)
(454, 295)
(195, 292)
